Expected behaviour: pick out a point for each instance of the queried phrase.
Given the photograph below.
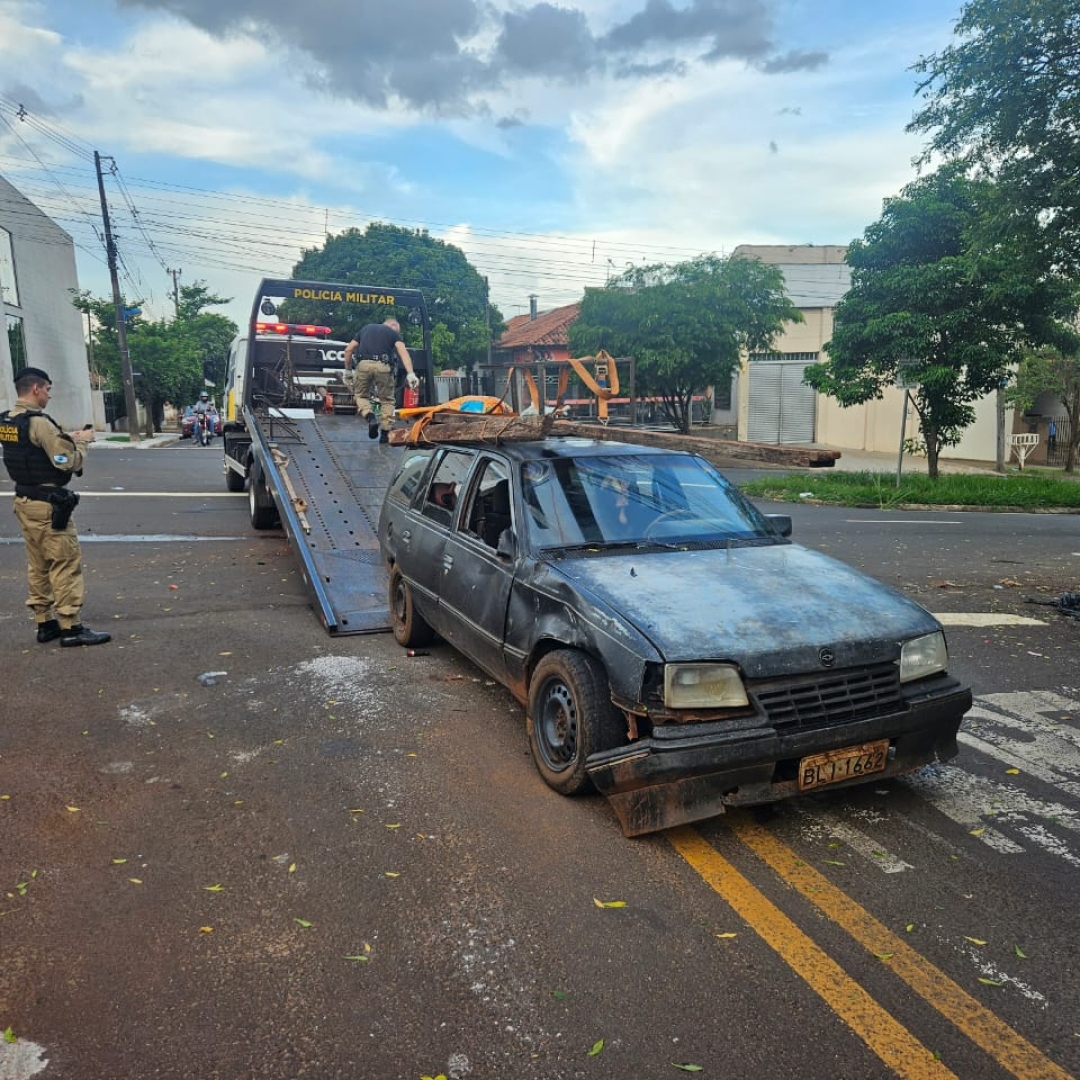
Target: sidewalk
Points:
(874, 461)
(115, 441)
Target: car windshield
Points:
(630, 499)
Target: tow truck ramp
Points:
(328, 479)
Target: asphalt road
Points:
(234, 847)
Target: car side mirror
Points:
(507, 545)
(781, 523)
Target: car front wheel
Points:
(408, 625)
(570, 718)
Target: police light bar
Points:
(286, 329)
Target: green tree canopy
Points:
(928, 302)
(392, 256)
(1005, 101)
(685, 325)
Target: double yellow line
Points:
(892, 1042)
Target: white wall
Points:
(45, 271)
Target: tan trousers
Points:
(53, 564)
(373, 381)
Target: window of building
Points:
(9, 287)
(16, 342)
(784, 357)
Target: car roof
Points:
(566, 447)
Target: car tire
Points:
(260, 504)
(233, 480)
(408, 625)
(570, 718)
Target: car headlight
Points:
(923, 656)
(703, 686)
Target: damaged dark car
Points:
(672, 647)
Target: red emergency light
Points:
(292, 329)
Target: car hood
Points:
(770, 609)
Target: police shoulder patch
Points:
(60, 459)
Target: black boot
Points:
(372, 426)
(82, 635)
(48, 631)
(384, 436)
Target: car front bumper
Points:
(685, 774)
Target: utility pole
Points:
(118, 304)
(175, 289)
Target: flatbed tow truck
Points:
(309, 470)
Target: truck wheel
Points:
(261, 505)
(408, 625)
(570, 717)
(233, 480)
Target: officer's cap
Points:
(32, 373)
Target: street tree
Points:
(171, 360)
(1049, 370)
(1004, 100)
(932, 305)
(685, 325)
(389, 255)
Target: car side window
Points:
(488, 514)
(447, 482)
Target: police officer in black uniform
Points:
(41, 458)
(381, 350)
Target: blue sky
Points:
(552, 142)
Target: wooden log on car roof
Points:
(478, 427)
(710, 449)
(473, 427)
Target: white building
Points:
(772, 404)
(42, 327)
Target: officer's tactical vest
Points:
(26, 463)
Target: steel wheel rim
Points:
(557, 725)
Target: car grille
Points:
(833, 698)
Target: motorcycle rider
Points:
(205, 412)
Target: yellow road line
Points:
(978, 1023)
(891, 1041)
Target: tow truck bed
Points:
(341, 475)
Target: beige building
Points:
(772, 404)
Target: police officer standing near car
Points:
(381, 351)
(41, 458)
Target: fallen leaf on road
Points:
(135, 880)
(360, 958)
(206, 929)
(687, 1067)
(214, 888)
(597, 1048)
(303, 922)
(609, 903)
(724, 937)
(1020, 952)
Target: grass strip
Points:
(1027, 491)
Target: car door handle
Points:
(406, 537)
(447, 564)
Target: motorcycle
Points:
(204, 428)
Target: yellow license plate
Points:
(846, 763)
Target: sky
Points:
(556, 144)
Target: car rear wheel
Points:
(570, 718)
(408, 625)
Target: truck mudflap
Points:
(657, 784)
